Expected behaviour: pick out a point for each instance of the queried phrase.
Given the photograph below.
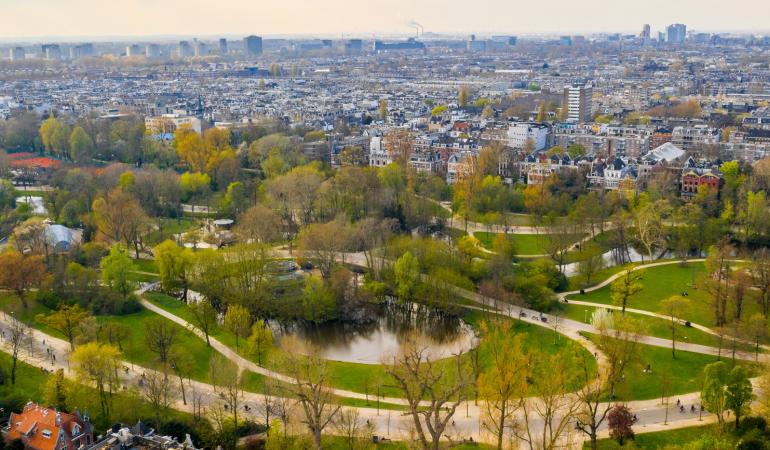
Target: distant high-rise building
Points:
(152, 51)
(354, 46)
(565, 40)
(676, 33)
(200, 48)
(17, 53)
(252, 45)
(578, 103)
(472, 45)
(134, 50)
(51, 51)
(223, 46)
(185, 49)
(512, 40)
(645, 34)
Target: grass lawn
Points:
(134, 349)
(338, 443)
(523, 244)
(145, 265)
(168, 228)
(30, 381)
(659, 439)
(653, 326)
(662, 282)
(684, 372)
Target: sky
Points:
(21, 19)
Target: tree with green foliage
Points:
(738, 393)
(713, 394)
(237, 321)
(116, 268)
(174, 265)
(81, 145)
(318, 302)
(98, 364)
(66, 320)
(55, 135)
(260, 340)
(407, 276)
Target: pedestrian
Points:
(692, 408)
(678, 402)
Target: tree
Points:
(757, 328)
(718, 269)
(98, 364)
(194, 185)
(174, 265)
(81, 145)
(324, 244)
(760, 271)
(116, 269)
(318, 301)
(714, 395)
(674, 307)
(158, 391)
(238, 322)
(66, 320)
(183, 365)
(462, 96)
(55, 392)
(592, 262)
(648, 222)
(547, 421)
(19, 335)
(626, 287)
(503, 383)
(738, 393)
(227, 380)
(310, 378)
(258, 224)
(21, 273)
(619, 421)
(260, 340)
(432, 391)
(407, 275)
(384, 110)
(740, 284)
(619, 343)
(160, 335)
(54, 134)
(119, 217)
(354, 431)
(204, 317)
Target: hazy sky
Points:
(36, 18)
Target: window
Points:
(47, 434)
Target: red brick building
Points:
(41, 428)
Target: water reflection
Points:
(383, 336)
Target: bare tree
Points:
(353, 429)
(228, 384)
(159, 392)
(620, 345)
(20, 334)
(310, 386)
(548, 418)
(440, 385)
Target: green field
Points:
(659, 439)
(523, 244)
(662, 282)
(684, 372)
(654, 326)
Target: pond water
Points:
(617, 257)
(383, 337)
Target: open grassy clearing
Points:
(659, 439)
(684, 372)
(654, 326)
(662, 282)
(523, 244)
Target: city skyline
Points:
(38, 19)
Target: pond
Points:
(382, 337)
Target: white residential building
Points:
(520, 132)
